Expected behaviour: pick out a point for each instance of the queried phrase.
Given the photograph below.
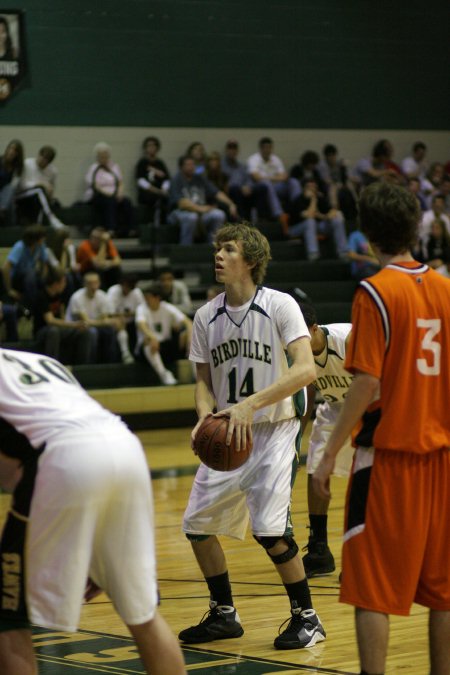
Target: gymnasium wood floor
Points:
(103, 645)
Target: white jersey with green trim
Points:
(332, 380)
(41, 399)
(245, 347)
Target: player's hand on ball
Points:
(212, 449)
(241, 420)
(196, 428)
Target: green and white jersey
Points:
(332, 379)
(42, 400)
(245, 347)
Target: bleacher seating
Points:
(327, 282)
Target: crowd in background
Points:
(259, 185)
(86, 311)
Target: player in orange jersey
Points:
(397, 521)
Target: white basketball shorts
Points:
(221, 502)
(326, 416)
(91, 515)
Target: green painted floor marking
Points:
(88, 652)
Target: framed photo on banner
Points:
(13, 59)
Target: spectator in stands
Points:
(64, 251)
(239, 183)
(174, 290)
(334, 173)
(275, 193)
(106, 194)
(317, 217)
(436, 174)
(11, 167)
(26, 266)
(36, 190)
(164, 333)
(437, 212)
(447, 168)
(435, 248)
(308, 168)
(363, 262)
(124, 299)
(67, 340)
(391, 166)
(91, 305)
(192, 198)
(217, 177)
(197, 152)
(445, 192)
(214, 172)
(414, 186)
(416, 166)
(433, 181)
(379, 166)
(99, 254)
(152, 176)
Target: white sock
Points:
(155, 361)
(55, 222)
(122, 339)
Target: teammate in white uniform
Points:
(328, 344)
(238, 345)
(81, 510)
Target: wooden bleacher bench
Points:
(151, 407)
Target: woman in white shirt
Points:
(105, 192)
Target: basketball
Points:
(211, 448)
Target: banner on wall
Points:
(13, 61)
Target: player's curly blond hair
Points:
(255, 247)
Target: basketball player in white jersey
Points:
(81, 516)
(238, 346)
(328, 344)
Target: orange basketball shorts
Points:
(397, 531)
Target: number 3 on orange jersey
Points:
(433, 327)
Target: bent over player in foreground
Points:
(238, 344)
(397, 524)
(81, 508)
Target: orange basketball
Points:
(211, 448)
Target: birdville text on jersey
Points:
(243, 347)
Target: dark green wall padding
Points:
(235, 63)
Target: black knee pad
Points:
(197, 537)
(269, 542)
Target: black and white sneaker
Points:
(304, 630)
(220, 623)
(318, 560)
